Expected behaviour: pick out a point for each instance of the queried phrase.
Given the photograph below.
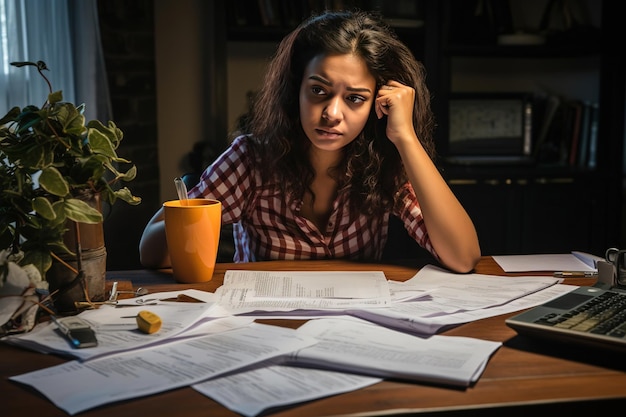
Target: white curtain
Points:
(65, 34)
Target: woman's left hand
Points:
(396, 100)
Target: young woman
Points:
(339, 138)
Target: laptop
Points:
(587, 316)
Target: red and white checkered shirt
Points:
(267, 227)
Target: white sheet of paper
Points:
(435, 298)
(78, 386)
(116, 328)
(364, 348)
(249, 393)
(247, 291)
(575, 261)
(456, 292)
(424, 317)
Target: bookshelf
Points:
(570, 195)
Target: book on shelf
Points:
(270, 12)
(548, 145)
(593, 136)
(572, 137)
(567, 132)
(583, 145)
(549, 107)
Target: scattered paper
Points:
(78, 386)
(361, 347)
(350, 341)
(249, 393)
(421, 317)
(248, 291)
(575, 261)
(116, 328)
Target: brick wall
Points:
(127, 30)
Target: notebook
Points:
(591, 316)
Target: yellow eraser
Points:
(148, 322)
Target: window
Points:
(65, 35)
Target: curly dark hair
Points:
(371, 167)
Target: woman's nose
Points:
(333, 111)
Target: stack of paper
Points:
(209, 344)
(443, 299)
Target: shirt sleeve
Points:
(228, 179)
(407, 208)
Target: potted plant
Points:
(55, 169)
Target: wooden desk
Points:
(524, 376)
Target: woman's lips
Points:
(329, 134)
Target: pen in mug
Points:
(575, 274)
(181, 189)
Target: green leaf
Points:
(129, 175)
(100, 143)
(53, 182)
(112, 132)
(28, 154)
(55, 97)
(126, 176)
(81, 212)
(71, 119)
(10, 116)
(125, 195)
(43, 207)
(59, 211)
(41, 259)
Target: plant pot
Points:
(91, 235)
(93, 264)
(70, 289)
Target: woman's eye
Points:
(317, 90)
(356, 99)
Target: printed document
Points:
(116, 326)
(78, 386)
(420, 316)
(247, 291)
(360, 347)
(249, 393)
(456, 292)
(445, 299)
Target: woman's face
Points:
(336, 97)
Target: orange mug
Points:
(192, 230)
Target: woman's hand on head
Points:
(396, 101)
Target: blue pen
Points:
(66, 331)
(77, 331)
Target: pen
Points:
(575, 274)
(113, 295)
(66, 331)
(181, 189)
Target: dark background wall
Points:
(129, 37)
(127, 30)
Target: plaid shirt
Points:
(267, 227)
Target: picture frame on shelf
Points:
(490, 127)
